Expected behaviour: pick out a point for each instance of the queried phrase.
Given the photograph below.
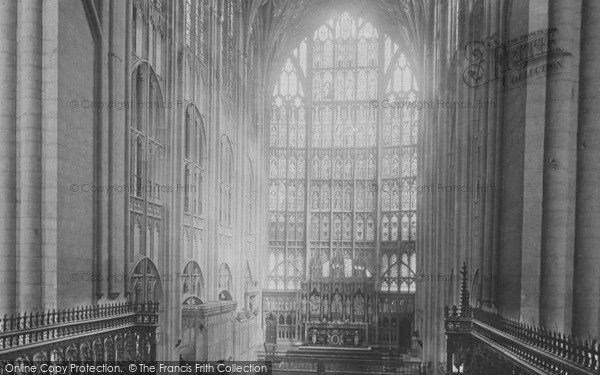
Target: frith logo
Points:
(514, 63)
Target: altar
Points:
(342, 309)
(336, 313)
(348, 335)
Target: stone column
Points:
(49, 213)
(116, 154)
(558, 216)
(442, 172)
(586, 283)
(8, 154)
(29, 155)
(426, 214)
(487, 118)
(533, 174)
(494, 169)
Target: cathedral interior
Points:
(323, 186)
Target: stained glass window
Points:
(332, 146)
(399, 143)
(287, 180)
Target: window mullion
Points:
(379, 162)
(308, 94)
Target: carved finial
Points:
(464, 291)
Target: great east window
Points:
(343, 160)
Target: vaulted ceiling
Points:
(280, 25)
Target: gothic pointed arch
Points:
(192, 281)
(147, 161)
(192, 301)
(195, 156)
(193, 181)
(145, 282)
(225, 281)
(224, 295)
(359, 130)
(342, 173)
(248, 278)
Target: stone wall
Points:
(66, 231)
(525, 233)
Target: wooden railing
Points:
(286, 364)
(104, 333)
(481, 342)
(581, 353)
